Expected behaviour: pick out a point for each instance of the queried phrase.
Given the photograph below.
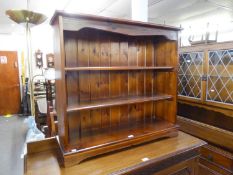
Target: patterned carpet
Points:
(12, 137)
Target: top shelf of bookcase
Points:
(120, 68)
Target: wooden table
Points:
(177, 155)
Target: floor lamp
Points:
(28, 19)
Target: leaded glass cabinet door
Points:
(220, 76)
(206, 76)
(190, 73)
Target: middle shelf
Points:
(116, 102)
(120, 68)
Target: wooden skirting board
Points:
(209, 133)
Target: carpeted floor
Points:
(12, 137)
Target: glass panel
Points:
(190, 72)
(220, 76)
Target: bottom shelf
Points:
(106, 136)
(104, 140)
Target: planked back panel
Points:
(90, 48)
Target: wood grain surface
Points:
(111, 78)
(121, 162)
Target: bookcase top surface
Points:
(113, 20)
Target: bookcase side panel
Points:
(60, 82)
(166, 82)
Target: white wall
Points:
(198, 26)
(42, 38)
(11, 42)
(225, 32)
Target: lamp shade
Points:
(26, 16)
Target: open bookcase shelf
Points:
(107, 136)
(123, 68)
(116, 86)
(116, 102)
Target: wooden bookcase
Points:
(116, 83)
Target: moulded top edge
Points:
(114, 20)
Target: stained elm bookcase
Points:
(116, 83)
